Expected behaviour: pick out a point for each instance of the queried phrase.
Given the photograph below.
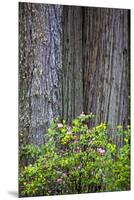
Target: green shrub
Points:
(77, 159)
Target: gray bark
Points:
(40, 63)
(72, 62)
(106, 64)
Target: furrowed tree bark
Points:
(40, 63)
(72, 85)
(106, 64)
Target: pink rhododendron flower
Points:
(79, 167)
(101, 151)
(60, 125)
(82, 114)
(68, 128)
(65, 174)
(75, 141)
(59, 180)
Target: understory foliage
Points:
(76, 159)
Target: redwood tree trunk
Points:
(106, 64)
(40, 63)
(72, 62)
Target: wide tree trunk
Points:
(106, 64)
(40, 63)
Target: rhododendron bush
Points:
(77, 159)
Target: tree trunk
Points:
(106, 64)
(40, 63)
(72, 62)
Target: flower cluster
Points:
(76, 159)
(101, 151)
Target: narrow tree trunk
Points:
(106, 64)
(40, 35)
(72, 89)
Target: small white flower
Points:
(82, 114)
(59, 125)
